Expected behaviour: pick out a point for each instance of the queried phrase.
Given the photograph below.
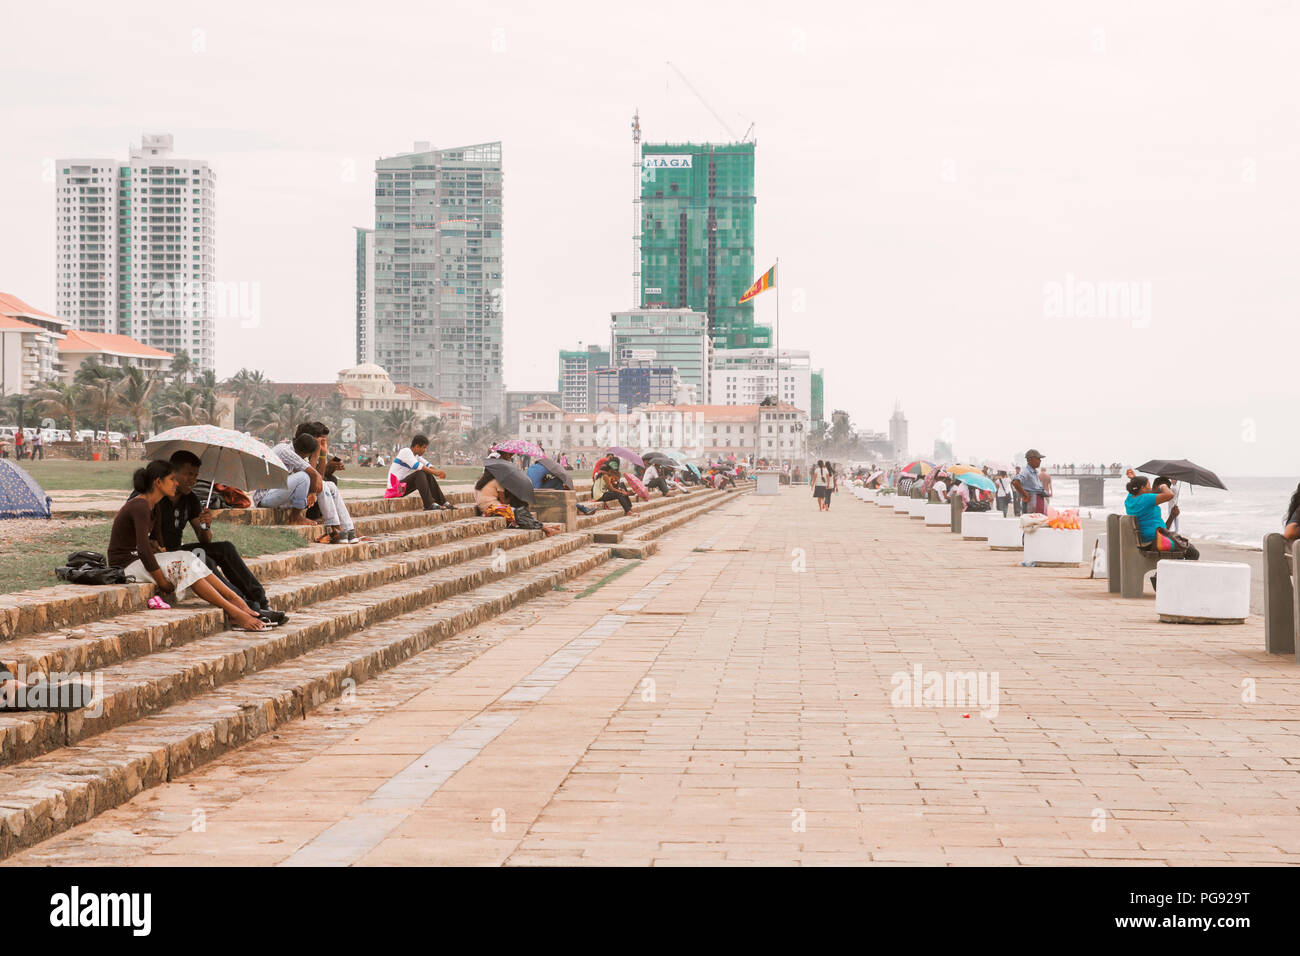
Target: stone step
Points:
(135, 633)
(68, 786)
(643, 541)
(611, 532)
(71, 605)
(137, 686)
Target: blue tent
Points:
(20, 495)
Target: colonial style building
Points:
(775, 432)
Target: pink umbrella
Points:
(518, 446)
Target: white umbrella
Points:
(226, 456)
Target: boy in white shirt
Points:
(410, 467)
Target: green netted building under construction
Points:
(697, 236)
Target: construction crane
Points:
(700, 97)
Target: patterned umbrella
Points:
(638, 489)
(920, 468)
(20, 495)
(227, 457)
(518, 446)
(627, 455)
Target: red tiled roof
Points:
(9, 322)
(11, 305)
(415, 393)
(541, 405)
(77, 341)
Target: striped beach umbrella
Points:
(919, 468)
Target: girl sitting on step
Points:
(133, 546)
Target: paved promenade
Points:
(728, 701)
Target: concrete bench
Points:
(938, 515)
(974, 525)
(1054, 548)
(554, 506)
(916, 507)
(1280, 595)
(1204, 592)
(1134, 562)
(901, 504)
(1005, 534)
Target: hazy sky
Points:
(938, 178)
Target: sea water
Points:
(1248, 510)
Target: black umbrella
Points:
(554, 468)
(1182, 470)
(511, 477)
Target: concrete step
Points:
(72, 605)
(137, 686)
(642, 542)
(50, 793)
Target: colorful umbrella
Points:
(20, 495)
(518, 446)
(918, 468)
(956, 470)
(638, 489)
(627, 455)
(977, 480)
(226, 457)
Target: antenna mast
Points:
(636, 209)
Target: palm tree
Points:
(182, 366)
(279, 418)
(101, 402)
(185, 413)
(250, 388)
(399, 425)
(91, 372)
(59, 401)
(137, 389)
(478, 441)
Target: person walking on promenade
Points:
(1029, 487)
(1003, 485)
(820, 490)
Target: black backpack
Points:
(89, 567)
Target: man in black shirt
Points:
(222, 556)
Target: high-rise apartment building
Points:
(898, 433)
(676, 337)
(697, 236)
(748, 376)
(136, 248)
(429, 286)
(577, 378)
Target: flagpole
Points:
(776, 279)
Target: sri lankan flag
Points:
(762, 284)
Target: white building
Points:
(136, 249)
(676, 337)
(697, 431)
(29, 346)
(747, 376)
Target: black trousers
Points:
(621, 498)
(224, 558)
(659, 483)
(427, 486)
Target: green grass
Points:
(606, 579)
(64, 474)
(31, 563)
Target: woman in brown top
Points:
(133, 546)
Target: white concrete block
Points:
(940, 514)
(1203, 592)
(1005, 535)
(974, 524)
(902, 504)
(1054, 547)
(916, 507)
(769, 483)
